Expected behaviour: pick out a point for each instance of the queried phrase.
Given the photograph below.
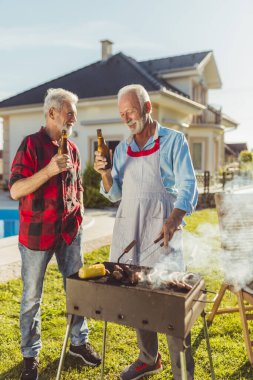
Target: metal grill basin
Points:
(161, 310)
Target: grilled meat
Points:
(118, 275)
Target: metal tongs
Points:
(133, 243)
(127, 249)
(155, 249)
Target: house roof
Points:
(102, 78)
(110, 75)
(235, 149)
(174, 63)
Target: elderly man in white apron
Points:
(153, 176)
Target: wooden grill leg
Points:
(203, 314)
(217, 301)
(103, 352)
(245, 327)
(69, 321)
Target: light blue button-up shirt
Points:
(176, 168)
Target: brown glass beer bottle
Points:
(103, 149)
(63, 147)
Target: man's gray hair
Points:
(56, 97)
(139, 90)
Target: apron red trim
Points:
(144, 152)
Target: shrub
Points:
(246, 156)
(91, 196)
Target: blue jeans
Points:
(34, 263)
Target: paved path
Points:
(98, 232)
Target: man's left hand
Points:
(172, 224)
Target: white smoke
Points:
(225, 251)
(202, 249)
(238, 181)
(221, 251)
(236, 230)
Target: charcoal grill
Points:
(136, 305)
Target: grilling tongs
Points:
(133, 243)
(127, 249)
(155, 249)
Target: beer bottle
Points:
(103, 149)
(63, 147)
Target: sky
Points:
(42, 40)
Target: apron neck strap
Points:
(147, 152)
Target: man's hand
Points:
(100, 163)
(172, 224)
(58, 164)
(99, 166)
(25, 186)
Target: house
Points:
(178, 87)
(232, 151)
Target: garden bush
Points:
(91, 196)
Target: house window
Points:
(197, 155)
(110, 143)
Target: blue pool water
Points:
(9, 223)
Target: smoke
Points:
(236, 230)
(221, 251)
(208, 252)
(200, 250)
(241, 180)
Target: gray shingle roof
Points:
(174, 63)
(235, 148)
(105, 78)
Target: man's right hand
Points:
(100, 163)
(58, 164)
(99, 166)
(25, 186)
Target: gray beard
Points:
(140, 124)
(69, 129)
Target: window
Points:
(110, 143)
(197, 155)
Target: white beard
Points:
(67, 128)
(139, 125)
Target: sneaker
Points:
(30, 369)
(86, 353)
(138, 369)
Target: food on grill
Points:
(126, 274)
(118, 275)
(118, 268)
(180, 279)
(151, 277)
(96, 270)
(164, 279)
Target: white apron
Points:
(144, 207)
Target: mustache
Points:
(130, 123)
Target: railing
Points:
(226, 180)
(208, 116)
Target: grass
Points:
(228, 351)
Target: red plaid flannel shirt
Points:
(53, 211)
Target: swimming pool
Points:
(9, 222)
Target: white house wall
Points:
(184, 84)
(90, 117)
(21, 126)
(214, 146)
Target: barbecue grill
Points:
(136, 305)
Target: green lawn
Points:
(229, 357)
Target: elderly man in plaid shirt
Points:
(49, 189)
